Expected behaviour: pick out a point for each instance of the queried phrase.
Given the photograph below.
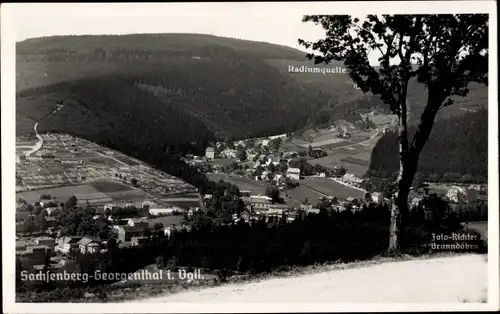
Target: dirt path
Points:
(38, 144)
(448, 279)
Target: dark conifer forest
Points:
(457, 145)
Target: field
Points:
(96, 193)
(325, 143)
(297, 196)
(127, 160)
(83, 193)
(110, 187)
(355, 158)
(244, 184)
(353, 153)
(331, 188)
(92, 173)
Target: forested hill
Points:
(212, 77)
(224, 87)
(148, 95)
(457, 147)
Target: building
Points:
(68, 245)
(315, 211)
(137, 222)
(47, 241)
(351, 179)
(161, 211)
(351, 200)
(260, 202)
(33, 255)
(308, 209)
(377, 197)
(125, 233)
(210, 153)
(293, 173)
(277, 209)
(88, 246)
(228, 153)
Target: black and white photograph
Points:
(194, 157)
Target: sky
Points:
(237, 21)
(273, 22)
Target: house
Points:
(228, 153)
(48, 241)
(260, 202)
(351, 179)
(313, 211)
(276, 209)
(68, 245)
(305, 207)
(161, 211)
(88, 246)
(210, 153)
(338, 208)
(377, 197)
(33, 255)
(137, 222)
(293, 173)
(351, 200)
(125, 233)
(265, 143)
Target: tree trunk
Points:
(396, 209)
(408, 162)
(393, 229)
